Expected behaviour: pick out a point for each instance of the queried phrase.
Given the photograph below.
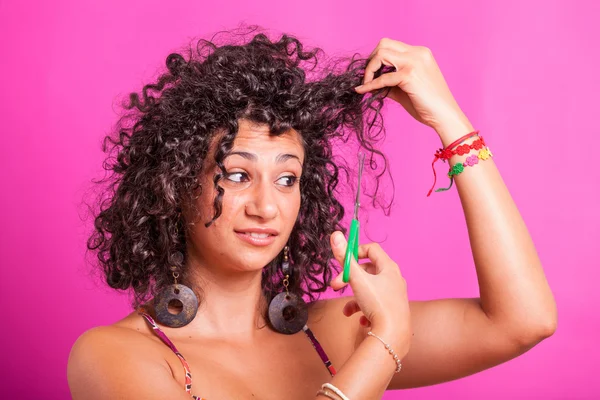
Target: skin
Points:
(223, 343)
(259, 193)
(437, 340)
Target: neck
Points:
(232, 303)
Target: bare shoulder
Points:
(126, 337)
(116, 361)
(339, 335)
(109, 340)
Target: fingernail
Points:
(338, 239)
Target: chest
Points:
(283, 367)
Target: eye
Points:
(234, 174)
(291, 180)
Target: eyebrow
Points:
(281, 158)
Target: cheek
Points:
(206, 206)
(231, 206)
(233, 203)
(294, 206)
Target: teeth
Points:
(258, 235)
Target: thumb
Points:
(339, 245)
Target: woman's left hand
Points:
(417, 84)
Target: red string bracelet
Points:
(446, 153)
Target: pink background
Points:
(524, 72)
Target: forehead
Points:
(255, 137)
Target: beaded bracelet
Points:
(457, 168)
(335, 390)
(392, 352)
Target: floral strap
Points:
(472, 160)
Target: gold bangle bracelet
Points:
(337, 391)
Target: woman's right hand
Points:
(379, 293)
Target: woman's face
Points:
(261, 191)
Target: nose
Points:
(263, 201)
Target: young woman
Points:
(221, 215)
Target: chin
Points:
(254, 262)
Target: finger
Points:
(385, 80)
(372, 251)
(337, 282)
(369, 267)
(339, 252)
(395, 45)
(350, 308)
(391, 44)
(377, 60)
(391, 58)
(364, 321)
(378, 257)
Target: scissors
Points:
(352, 249)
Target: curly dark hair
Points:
(156, 154)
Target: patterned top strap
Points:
(167, 341)
(186, 367)
(319, 349)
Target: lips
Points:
(256, 239)
(259, 231)
(256, 234)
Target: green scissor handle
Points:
(352, 249)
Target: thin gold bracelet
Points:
(392, 352)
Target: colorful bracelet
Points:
(457, 168)
(449, 151)
(445, 154)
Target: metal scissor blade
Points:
(361, 161)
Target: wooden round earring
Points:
(177, 296)
(288, 313)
